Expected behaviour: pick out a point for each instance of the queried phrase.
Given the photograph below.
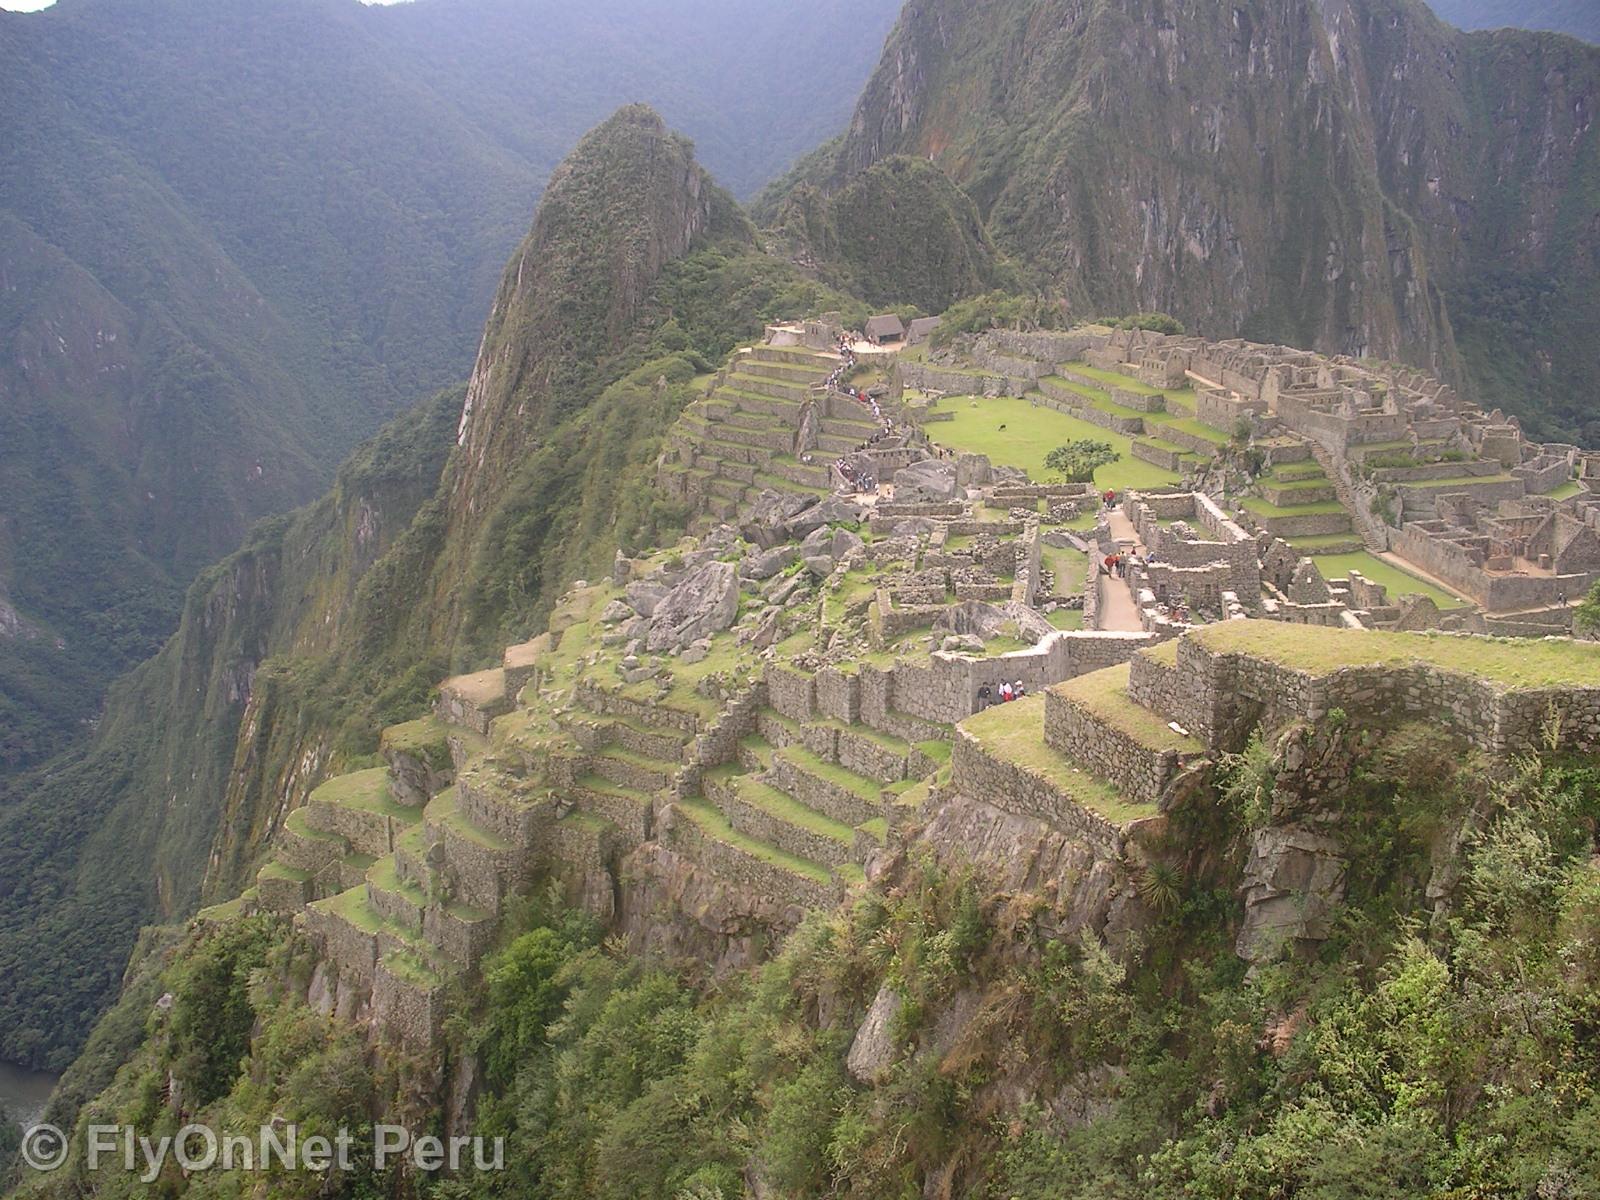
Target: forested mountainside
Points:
(639, 274)
(1356, 177)
(1580, 18)
(236, 238)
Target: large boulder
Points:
(644, 595)
(767, 563)
(832, 511)
(706, 602)
(929, 482)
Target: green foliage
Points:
(10, 1143)
(1076, 462)
(998, 310)
(211, 1010)
(1586, 616)
(899, 233)
(1155, 322)
(1246, 780)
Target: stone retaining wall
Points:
(791, 692)
(411, 1012)
(928, 377)
(1025, 793)
(1138, 772)
(746, 871)
(1167, 460)
(1220, 699)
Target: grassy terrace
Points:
(784, 807)
(1460, 481)
(1031, 432)
(1105, 695)
(714, 825)
(1513, 664)
(366, 790)
(443, 810)
(1014, 733)
(867, 790)
(1566, 491)
(1263, 509)
(1399, 582)
(1322, 542)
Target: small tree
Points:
(1076, 462)
(1586, 617)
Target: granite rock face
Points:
(1293, 884)
(872, 1051)
(706, 602)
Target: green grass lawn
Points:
(1566, 490)
(1030, 433)
(1514, 663)
(1398, 581)
(1070, 567)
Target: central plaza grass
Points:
(1032, 432)
(1398, 581)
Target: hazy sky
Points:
(36, 5)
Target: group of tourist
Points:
(859, 481)
(1006, 693)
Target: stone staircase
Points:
(1365, 524)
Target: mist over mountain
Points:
(1580, 18)
(236, 237)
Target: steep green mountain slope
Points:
(236, 238)
(332, 622)
(1356, 177)
(1580, 18)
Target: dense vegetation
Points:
(899, 233)
(239, 237)
(1438, 1044)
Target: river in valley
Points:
(23, 1093)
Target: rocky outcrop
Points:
(925, 483)
(703, 604)
(1293, 883)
